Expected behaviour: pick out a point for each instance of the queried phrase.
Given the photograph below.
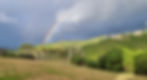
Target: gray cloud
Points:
(97, 17)
(76, 19)
(34, 18)
(4, 18)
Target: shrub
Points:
(9, 54)
(77, 59)
(141, 64)
(26, 56)
(112, 60)
(92, 64)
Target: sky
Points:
(29, 21)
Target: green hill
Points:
(91, 52)
(120, 52)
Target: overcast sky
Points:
(28, 21)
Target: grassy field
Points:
(21, 69)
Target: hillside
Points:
(120, 52)
(136, 40)
(89, 52)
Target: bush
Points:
(9, 54)
(26, 56)
(141, 64)
(92, 64)
(77, 59)
(112, 60)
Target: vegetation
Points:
(24, 69)
(21, 69)
(124, 52)
(140, 64)
(112, 50)
(112, 60)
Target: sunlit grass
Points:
(16, 69)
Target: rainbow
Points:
(50, 32)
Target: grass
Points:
(20, 69)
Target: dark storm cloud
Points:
(98, 17)
(27, 21)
